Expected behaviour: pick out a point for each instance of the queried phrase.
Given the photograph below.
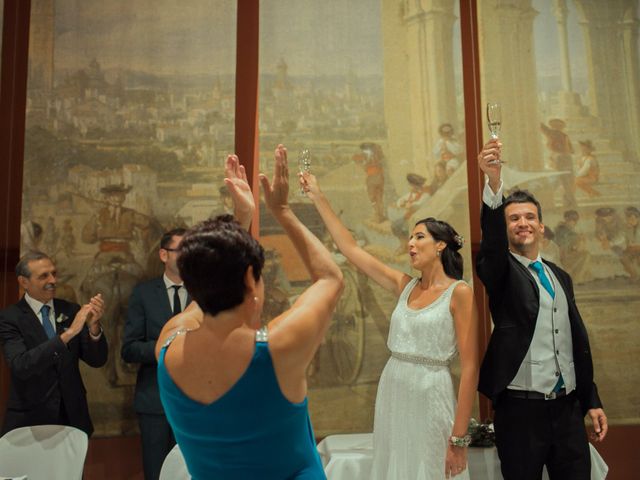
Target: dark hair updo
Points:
(214, 257)
(451, 259)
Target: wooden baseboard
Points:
(110, 458)
(620, 450)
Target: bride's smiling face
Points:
(423, 249)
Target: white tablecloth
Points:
(349, 457)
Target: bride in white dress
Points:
(419, 433)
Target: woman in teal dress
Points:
(235, 394)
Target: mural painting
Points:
(124, 143)
(121, 145)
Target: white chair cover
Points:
(173, 467)
(43, 452)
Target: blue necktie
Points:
(48, 328)
(544, 280)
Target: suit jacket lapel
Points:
(525, 272)
(560, 279)
(32, 324)
(63, 316)
(163, 297)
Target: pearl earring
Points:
(255, 299)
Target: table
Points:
(350, 457)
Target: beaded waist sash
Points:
(420, 360)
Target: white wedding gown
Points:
(415, 405)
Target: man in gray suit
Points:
(152, 303)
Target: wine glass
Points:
(494, 119)
(304, 164)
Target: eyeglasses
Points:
(171, 249)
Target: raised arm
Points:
(492, 261)
(301, 328)
(236, 181)
(389, 278)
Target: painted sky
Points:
(199, 36)
(159, 36)
(321, 37)
(547, 42)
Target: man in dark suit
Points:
(42, 339)
(151, 304)
(537, 369)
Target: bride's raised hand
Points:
(276, 193)
(309, 184)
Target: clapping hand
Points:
(89, 314)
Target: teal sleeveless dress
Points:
(251, 432)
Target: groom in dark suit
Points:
(151, 304)
(537, 369)
(43, 338)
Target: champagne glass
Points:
(304, 164)
(494, 121)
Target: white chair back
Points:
(43, 452)
(173, 467)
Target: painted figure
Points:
(372, 161)
(561, 157)
(115, 270)
(588, 173)
(574, 256)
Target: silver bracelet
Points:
(461, 442)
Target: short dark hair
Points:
(214, 257)
(452, 261)
(571, 215)
(168, 236)
(22, 267)
(523, 196)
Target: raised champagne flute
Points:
(494, 121)
(304, 164)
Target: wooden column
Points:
(475, 180)
(13, 98)
(247, 66)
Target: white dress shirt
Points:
(36, 306)
(182, 292)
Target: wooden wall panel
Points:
(13, 95)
